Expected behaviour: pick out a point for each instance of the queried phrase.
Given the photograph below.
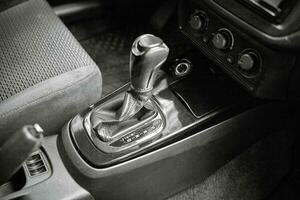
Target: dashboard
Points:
(257, 48)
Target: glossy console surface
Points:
(177, 165)
(176, 117)
(183, 106)
(198, 140)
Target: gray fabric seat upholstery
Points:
(46, 77)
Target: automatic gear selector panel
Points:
(142, 132)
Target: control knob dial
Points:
(223, 39)
(249, 61)
(198, 21)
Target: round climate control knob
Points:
(223, 39)
(198, 20)
(249, 61)
(246, 61)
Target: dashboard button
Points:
(230, 59)
(205, 39)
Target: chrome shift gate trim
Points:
(131, 138)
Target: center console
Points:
(147, 112)
(158, 134)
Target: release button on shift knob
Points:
(148, 42)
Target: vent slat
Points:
(36, 165)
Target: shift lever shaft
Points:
(148, 53)
(121, 116)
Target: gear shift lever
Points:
(114, 120)
(148, 53)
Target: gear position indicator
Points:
(137, 134)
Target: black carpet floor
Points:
(111, 53)
(109, 48)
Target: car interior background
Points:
(172, 99)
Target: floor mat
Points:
(109, 48)
(111, 53)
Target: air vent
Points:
(36, 164)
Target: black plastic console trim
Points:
(179, 164)
(215, 99)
